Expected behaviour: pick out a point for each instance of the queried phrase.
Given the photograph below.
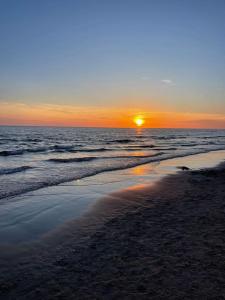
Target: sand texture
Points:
(168, 243)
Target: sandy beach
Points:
(112, 150)
(166, 241)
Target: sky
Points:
(103, 62)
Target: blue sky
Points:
(157, 55)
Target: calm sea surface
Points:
(35, 157)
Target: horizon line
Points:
(102, 127)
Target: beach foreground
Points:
(166, 242)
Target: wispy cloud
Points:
(168, 82)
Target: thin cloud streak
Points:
(167, 82)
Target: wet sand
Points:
(165, 241)
(28, 217)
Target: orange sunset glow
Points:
(112, 149)
(88, 116)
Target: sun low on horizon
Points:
(71, 64)
(139, 121)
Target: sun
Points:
(139, 121)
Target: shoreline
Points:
(31, 216)
(167, 243)
(146, 160)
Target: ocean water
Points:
(36, 157)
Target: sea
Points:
(35, 157)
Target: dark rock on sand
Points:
(183, 168)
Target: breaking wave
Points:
(7, 171)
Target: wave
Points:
(22, 151)
(89, 158)
(166, 149)
(140, 148)
(71, 160)
(188, 145)
(169, 137)
(70, 149)
(74, 173)
(91, 150)
(143, 146)
(63, 147)
(11, 152)
(33, 140)
(121, 141)
(6, 171)
(212, 137)
(55, 148)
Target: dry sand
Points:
(166, 241)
